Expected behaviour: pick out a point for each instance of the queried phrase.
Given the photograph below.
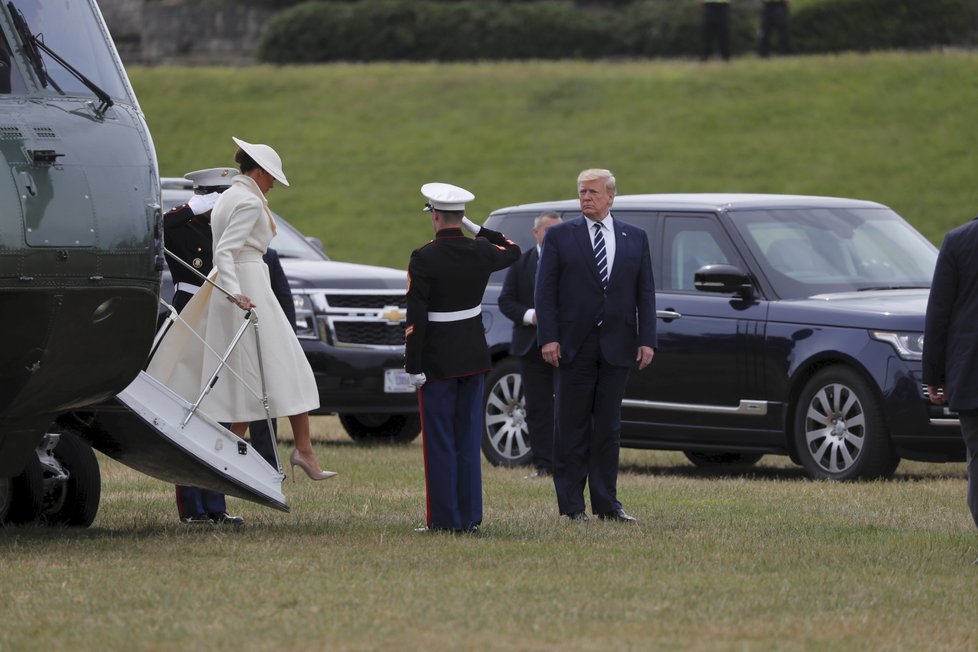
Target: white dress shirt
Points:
(608, 231)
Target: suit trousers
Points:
(538, 389)
(588, 435)
(969, 430)
(451, 431)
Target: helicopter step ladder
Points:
(152, 429)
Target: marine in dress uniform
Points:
(187, 234)
(446, 353)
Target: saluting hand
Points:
(551, 353)
(644, 356)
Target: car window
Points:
(690, 242)
(805, 252)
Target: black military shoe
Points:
(197, 519)
(223, 518)
(577, 516)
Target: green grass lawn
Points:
(764, 559)
(359, 140)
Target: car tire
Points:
(839, 430)
(721, 460)
(23, 499)
(382, 428)
(72, 502)
(505, 436)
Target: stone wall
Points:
(175, 32)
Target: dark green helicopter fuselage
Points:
(80, 255)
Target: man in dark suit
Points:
(446, 355)
(516, 302)
(951, 341)
(595, 303)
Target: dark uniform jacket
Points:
(447, 275)
(189, 237)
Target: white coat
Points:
(242, 227)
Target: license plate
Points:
(396, 381)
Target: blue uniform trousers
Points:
(451, 426)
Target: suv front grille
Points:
(364, 318)
(375, 301)
(368, 333)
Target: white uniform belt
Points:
(457, 315)
(189, 288)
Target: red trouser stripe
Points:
(424, 452)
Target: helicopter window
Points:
(11, 80)
(71, 30)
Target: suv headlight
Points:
(909, 346)
(305, 316)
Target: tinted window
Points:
(72, 32)
(688, 243)
(805, 252)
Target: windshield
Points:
(71, 30)
(804, 252)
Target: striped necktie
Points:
(601, 256)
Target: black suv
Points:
(786, 324)
(351, 326)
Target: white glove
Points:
(417, 380)
(470, 226)
(200, 204)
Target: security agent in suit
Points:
(516, 302)
(950, 358)
(446, 355)
(594, 329)
(187, 233)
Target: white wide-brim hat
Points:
(266, 158)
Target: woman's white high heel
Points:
(296, 459)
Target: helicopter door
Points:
(54, 219)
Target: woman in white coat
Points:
(242, 227)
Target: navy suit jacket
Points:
(951, 328)
(570, 301)
(516, 298)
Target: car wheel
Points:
(72, 501)
(505, 437)
(721, 460)
(382, 428)
(840, 433)
(24, 495)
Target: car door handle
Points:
(667, 315)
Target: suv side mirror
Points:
(723, 279)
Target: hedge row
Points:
(458, 30)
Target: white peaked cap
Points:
(211, 177)
(446, 197)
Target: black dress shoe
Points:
(539, 472)
(224, 518)
(617, 515)
(577, 516)
(197, 519)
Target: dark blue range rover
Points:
(787, 325)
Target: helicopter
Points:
(81, 256)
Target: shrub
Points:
(862, 25)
